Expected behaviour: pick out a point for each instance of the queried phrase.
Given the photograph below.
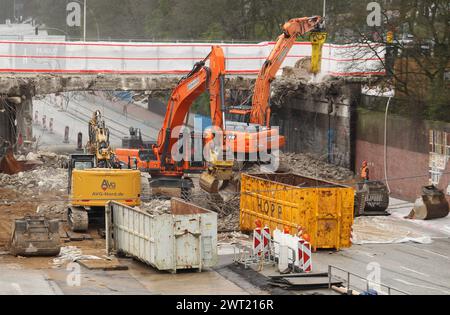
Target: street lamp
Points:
(324, 8)
(84, 20)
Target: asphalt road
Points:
(77, 116)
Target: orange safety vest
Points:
(365, 172)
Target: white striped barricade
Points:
(307, 258)
(258, 242)
(301, 242)
(267, 240)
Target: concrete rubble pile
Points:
(48, 159)
(287, 89)
(308, 166)
(53, 210)
(225, 205)
(157, 207)
(46, 177)
(41, 180)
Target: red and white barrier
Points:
(175, 58)
(307, 258)
(266, 240)
(301, 242)
(257, 242)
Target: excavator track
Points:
(78, 219)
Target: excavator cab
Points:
(79, 162)
(239, 114)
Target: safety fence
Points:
(175, 58)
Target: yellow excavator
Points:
(91, 188)
(96, 178)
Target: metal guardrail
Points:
(369, 283)
(244, 255)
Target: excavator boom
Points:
(260, 110)
(168, 174)
(188, 90)
(99, 144)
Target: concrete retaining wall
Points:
(315, 122)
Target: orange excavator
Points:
(245, 137)
(171, 159)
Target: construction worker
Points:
(365, 172)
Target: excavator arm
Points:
(200, 79)
(260, 113)
(99, 144)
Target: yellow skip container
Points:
(324, 210)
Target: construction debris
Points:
(41, 180)
(54, 210)
(296, 86)
(305, 282)
(157, 207)
(72, 254)
(309, 166)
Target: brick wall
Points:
(408, 152)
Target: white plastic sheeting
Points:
(386, 230)
(174, 58)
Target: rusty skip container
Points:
(324, 210)
(184, 239)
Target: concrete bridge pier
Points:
(16, 119)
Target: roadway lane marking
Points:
(414, 271)
(422, 286)
(437, 254)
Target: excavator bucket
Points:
(9, 165)
(216, 176)
(432, 205)
(209, 183)
(35, 237)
